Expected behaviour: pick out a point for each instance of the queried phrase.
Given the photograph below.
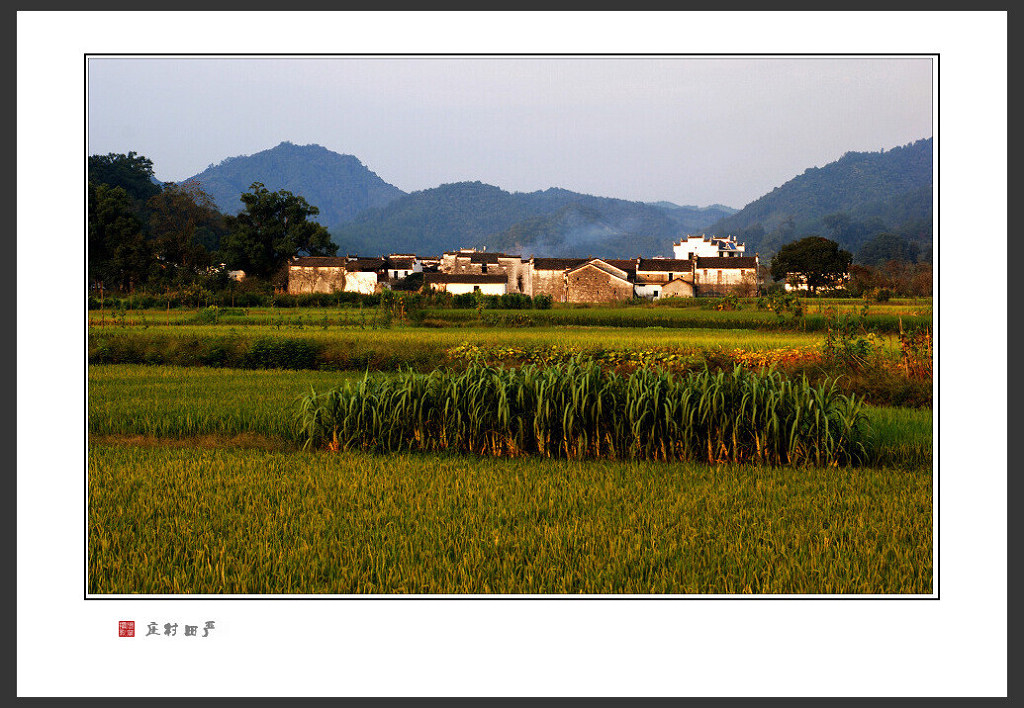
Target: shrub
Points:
(274, 353)
(542, 302)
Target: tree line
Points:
(146, 235)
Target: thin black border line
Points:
(501, 55)
(552, 597)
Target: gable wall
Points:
(590, 284)
(315, 279)
(549, 282)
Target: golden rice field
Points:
(186, 520)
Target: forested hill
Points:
(552, 222)
(339, 185)
(849, 200)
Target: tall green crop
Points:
(579, 410)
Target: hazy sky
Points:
(683, 129)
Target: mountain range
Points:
(850, 200)
(859, 195)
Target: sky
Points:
(689, 130)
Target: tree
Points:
(816, 261)
(272, 228)
(131, 172)
(119, 256)
(177, 215)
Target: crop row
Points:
(582, 410)
(882, 321)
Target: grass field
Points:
(188, 520)
(197, 483)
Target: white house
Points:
(798, 282)
(708, 247)
(460, 283)
(401, 265)
(653, 274)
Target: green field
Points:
(198, 484)
(817, 316)
(259, 408)
(188, 520)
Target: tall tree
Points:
(119, 255)
(273, 227)
(132, 172)
(177, 215)
(817, 261)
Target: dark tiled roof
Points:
(401, 262)
(670, 265)
(364, 264)
(626, 264)
(727, 262)
(462, 278)
(308, 261)
(557, 263)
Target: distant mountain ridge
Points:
(859, 194)
(850, 200)
(340, 186)
(552, 222)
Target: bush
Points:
(270, 353)
(542, 302)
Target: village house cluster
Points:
(701, 267)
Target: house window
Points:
(719, 276)
(476, 288)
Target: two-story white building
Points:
(708, 247)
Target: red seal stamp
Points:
(126, 628)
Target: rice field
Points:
(418, 348)
(224, 520)
(443, 338)
(237, 406)
(816, 318)
(198, 482)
